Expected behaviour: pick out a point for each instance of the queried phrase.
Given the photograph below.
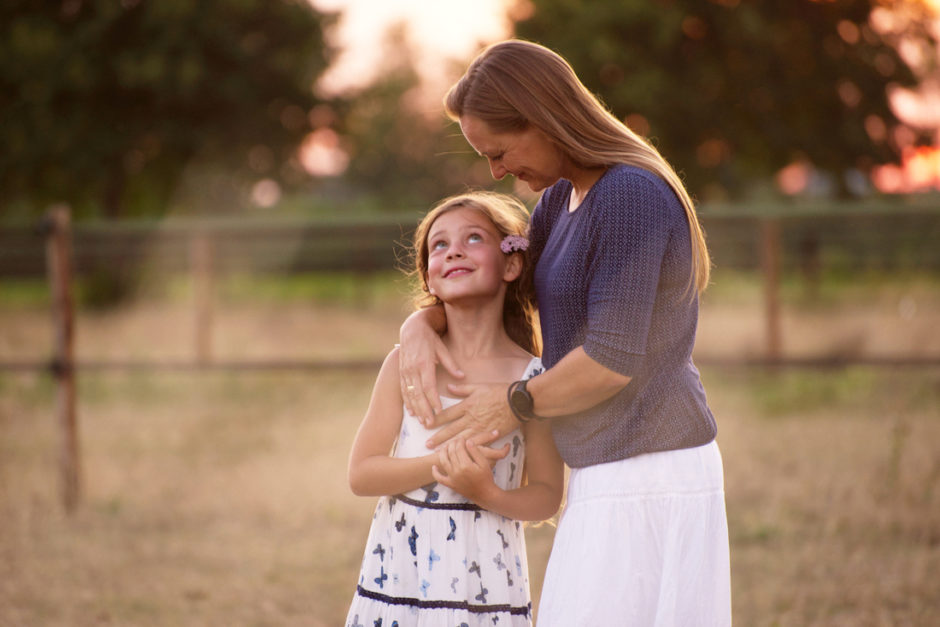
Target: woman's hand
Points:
(467, 468)
(482, 417)
(420, 351)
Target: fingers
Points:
(447, 361)
(440, 478)
(428, 392)
(421, 398)
(423, 409)
(482, 439)
(461, 389)
(447, 432)
(476, 454)
(488, 453)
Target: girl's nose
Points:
(454, 251)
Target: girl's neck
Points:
(475, 332)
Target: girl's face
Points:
(528, 155)
(464, 258)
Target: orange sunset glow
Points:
(442, 33)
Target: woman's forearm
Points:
(432, 317)
(574, 384)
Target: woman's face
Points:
(528, 155)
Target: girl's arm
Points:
(372, 470)
(465, 469)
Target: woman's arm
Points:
(574, 384)
(421, 351)
(466, 470)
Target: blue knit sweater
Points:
(613, 276)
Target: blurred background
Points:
(205, 208)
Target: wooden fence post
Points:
(770, 266)
(59, 261)
(200, 257)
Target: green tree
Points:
(105, 104)
(733, 90)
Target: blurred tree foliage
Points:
(105, 103)
(733, 90)
(404, 152)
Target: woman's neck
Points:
(582, 180)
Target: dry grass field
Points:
(219, 498)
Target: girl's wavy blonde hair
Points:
(510, 217)
(515, 83)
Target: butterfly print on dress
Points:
(453, 529)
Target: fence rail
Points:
(859, 236)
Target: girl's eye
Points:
(439, 244)
(474, 237)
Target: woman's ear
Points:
(513, 268)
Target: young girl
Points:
(446, 547)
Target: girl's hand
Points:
(467, 468)
(483, 416)
(420, 351)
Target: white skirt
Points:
(642, 541)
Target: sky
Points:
(438, 29)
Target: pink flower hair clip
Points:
(513, 244)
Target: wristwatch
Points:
(521, 403)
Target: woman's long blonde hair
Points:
(510, 217)
(515, 83)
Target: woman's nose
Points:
(497, 170)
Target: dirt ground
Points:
(220, 498)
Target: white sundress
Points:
(433, 558)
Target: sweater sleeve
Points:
(630, 233)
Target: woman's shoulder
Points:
(637, 188)
(622, 174)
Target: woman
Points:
(620, 262)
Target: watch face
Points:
(522, 401)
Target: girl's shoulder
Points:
(533, 367)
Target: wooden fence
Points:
(774, 240)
